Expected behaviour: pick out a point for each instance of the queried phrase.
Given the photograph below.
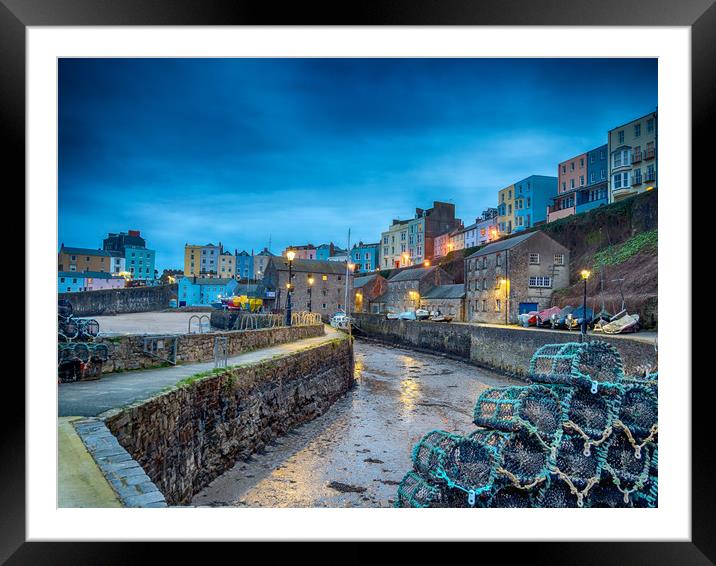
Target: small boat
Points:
(528, 319)
(621, 323)
(421, 314)
(407, 315)
(437, 316)
(341, 321)
(392, 316)
(603, 316)
(559, 320)
(544, 318)
(577, 317)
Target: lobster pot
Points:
(639, 411)
(99, 352)
(65, 353)
(582, 364)
(69, 328)
(89, 327)
(555, 492)
(512, 408)
(579, 463)
(64, 308)
(512, 497)
(494, 438)
(415, 491)
(471, 465)
(606, 494)
(82, 352)
(593, 413)
(523, 459)
(430, 454)
(628, 472)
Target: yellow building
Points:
(227, 265)
(192, 260)
(84, 259)
(506, 210)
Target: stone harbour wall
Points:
(186, 437)
(505, 349)
(127, 352)
(119, 301)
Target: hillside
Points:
(617, 241)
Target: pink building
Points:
(302, 252)
(571, 176)
(99, 281)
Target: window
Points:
(73, 257)
(484, 305)
(620, 135)
(484, 284)
(324, 277)
(534, 259)
(564, 186)
(564, 168)
(498, 305)
(591, 177)
(559, 259)
(581, 180)
(540, 282)
(637, 130)
(650, 125)
(498, 260)
(581, 163)
(571, 183)
(62, 279)
(571, 166)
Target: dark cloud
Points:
(300, 149)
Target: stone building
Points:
(320, 283)
(512, 276)
(366, 290)
(447, 299)
(406, 287)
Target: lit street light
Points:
(310, 288)
(290, 255)
(585, 273)
(503, 281)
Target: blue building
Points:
(195, 291)
(596, 191)
(139, 262)
(70, 281)
(532, 195)
(365, 257)
(244, 264)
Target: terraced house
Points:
(513, 276)
(633, 157)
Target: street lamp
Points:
(426, 263)
(503, 281)
(585, 273)
(310, 288)
(290, 255)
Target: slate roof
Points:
(359, 282)
(414, 274)
(456, 291)
(502, 245)
(310, 266)
(84, 251)
(85, 274)
(208, 280)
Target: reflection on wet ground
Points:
(355, 454)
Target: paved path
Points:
(80, 481)
(150, 323)
(91, 398)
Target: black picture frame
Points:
(17, 15)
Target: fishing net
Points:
(99, 352)
(555, 492)
(64, 308)
(65, 352)
(534, 408)
(82, 352)
(628, 470)
(581, 435)
(415, 491)
(89, 327)
(582, 364)
(69, 328)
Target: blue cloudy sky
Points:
(299, 150)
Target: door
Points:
(527, 307)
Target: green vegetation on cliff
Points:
(614, 255)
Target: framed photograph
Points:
(392, 277)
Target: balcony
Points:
(650, 153)
(623, 192)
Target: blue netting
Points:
(582, 435)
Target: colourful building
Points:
(197, 291)
(244, 262)
(633, 157)
(84, 259)
(261, 261)
(226, 266)
(139, 262)
(202, 260)
(307, 251)
(505, 209)
(73, 281)
(532, 195)
(365, 257)
(596, 192)
(571, 177)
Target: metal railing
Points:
(257, 321)
(199, 319)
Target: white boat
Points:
(421, 314)
(341, 321)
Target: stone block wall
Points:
(505, 349)
(127, 352)
(119, 301)
(190, 435)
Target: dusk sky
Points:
(299, 150)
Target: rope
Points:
(653, 431)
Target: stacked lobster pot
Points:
(78, 356)
(580, 435)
